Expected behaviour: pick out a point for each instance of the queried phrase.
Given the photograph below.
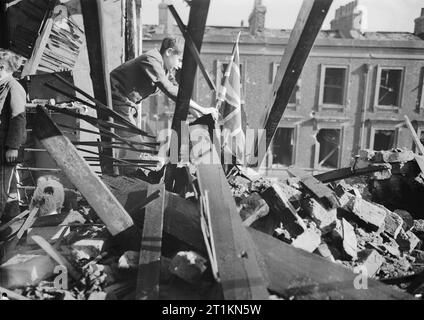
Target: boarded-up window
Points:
(283, 146)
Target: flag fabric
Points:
(229, 105)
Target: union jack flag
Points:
(229, 105)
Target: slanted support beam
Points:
(151, 246)
(97, 54)
(196, 28)
(131, 41)
(79, 173)
(235, 255)
(302, 38)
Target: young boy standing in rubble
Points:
(12, 123)
(144, 76)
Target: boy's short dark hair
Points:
(10, 60)
(175, 43)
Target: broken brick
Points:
(325, 219)
(371, 260)
(253, 208)
(188, 266)
(392, 224)
(396, 155)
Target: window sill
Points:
(387, 108)
(338, 107)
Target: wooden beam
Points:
(151, 247)
(344, 173)
(100, 198)
(196, 28)
(302, 38)
(236, 256)
(131, 40)
(191, 45)
(95, 35)
(414, 135)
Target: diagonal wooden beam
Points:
(77, 170)
(302, 38)
(4, 34)
(151, 247)
(191, 45)
(236, 256)
(196, 28)
(95, 36)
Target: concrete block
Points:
(350, 242)
(392, 224)
(309, 240)
(325, 219)
(25, 269)
(371, 260)
(369, 213)
(188, 265)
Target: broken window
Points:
(384, 140)
(333, 85)
(283, 146)
(329, 147)
(389, 91)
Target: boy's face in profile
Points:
(172, 60)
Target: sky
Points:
(383, 15)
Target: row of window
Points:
(328, 147)
(334, 84)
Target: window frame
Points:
(379, 107)
(318, 145)
(376, 128)
(274, 70)
(295, 141)
(421, 93)
(321, 103)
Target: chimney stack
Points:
(165, 18)
(257, 18)
(419, 25)
(350, 20)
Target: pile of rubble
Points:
(348, 223)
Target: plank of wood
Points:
(56, 256)
(236, 255)
(31, 65)
(28, 223)
(320, 191)
(95, 35)
(302, 38)
(130, 30)
(193, 49)
(415, 137)
(151, 247)
(344, 173)
(18, 217)
(100, 198)
(295, 273)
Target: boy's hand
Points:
(11, 155)
(213, 111)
